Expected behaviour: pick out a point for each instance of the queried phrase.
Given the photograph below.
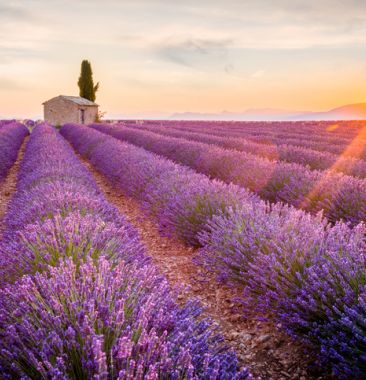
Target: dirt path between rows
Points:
(268, 353)
(9, 184)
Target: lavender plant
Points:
(11, 138)
(182, 200)
(79, 298)
(334, 138)
(316, 160)
(306, 272)
(76, 236)
(106, 322)
(57, 212)
(309, 275)
(340, 197)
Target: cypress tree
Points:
(85, 82)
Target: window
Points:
(82, 116)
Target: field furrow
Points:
(267, 351)
(305, 272)
(287, 153)
(8, 185)
(293, 134)
(338, 196)
(79, 298)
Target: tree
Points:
(85, 82)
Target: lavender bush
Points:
(57, 211)
(79, 298)
(289, 153)
(104, 322)
(74, 236)
(339, 196)
(320, 298)
(231, 243)
(346, 138)
(182, 200)
(11, 138)
(341, 132)
(307, 273)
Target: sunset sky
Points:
(155, 57)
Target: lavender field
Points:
(269, 221)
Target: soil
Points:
(8, 185)
(260, 345)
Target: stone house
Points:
(69, 109)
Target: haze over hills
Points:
(347, 112)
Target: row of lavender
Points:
(294, 131)
(79, 298)
(338, 196)
(309, 274)
(7, 122)
(354, 147)
(288, 153)
(345, 130)
(336, 132)
(11, 138)
(298, 132)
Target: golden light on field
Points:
(332, 127)
(354, 149)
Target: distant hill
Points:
(348, 112)
(248, 115)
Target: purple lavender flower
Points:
(316, 160)
(100, 321)
(308, 273)
(338, 195)
(11, 138)
(74, 236)
(79, 298)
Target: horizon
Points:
(154, 58)
(249, 115)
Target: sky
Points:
(157, 57)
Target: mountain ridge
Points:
(356, 111)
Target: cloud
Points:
(168, 48)
(194, 52)
(14, 13)
(258, 74)
(7, 84)
(229, 68)
(20, 54)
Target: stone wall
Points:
(91, 114)
(59, 111)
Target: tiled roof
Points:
(76, 99)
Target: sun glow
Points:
(354, 150)
(332, 127)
